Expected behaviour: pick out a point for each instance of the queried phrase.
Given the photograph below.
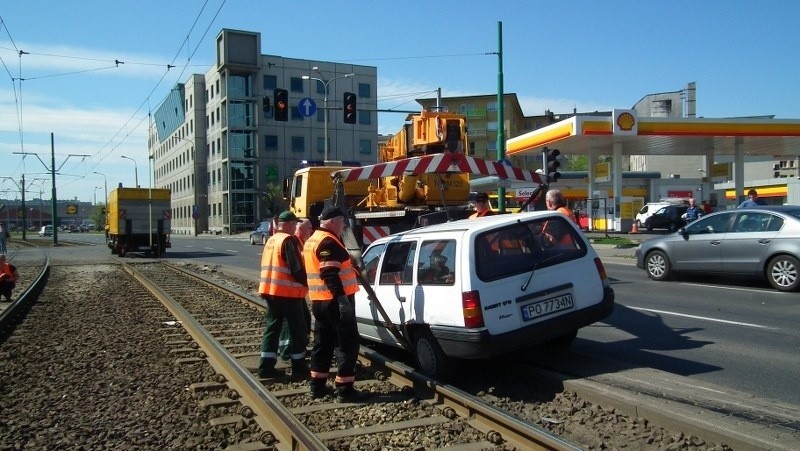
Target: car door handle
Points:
(764, 241)
(715, 242)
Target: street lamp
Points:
(135, 169)
(105, 186)
(95, 194)
(325, 84)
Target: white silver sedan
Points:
(762, 242)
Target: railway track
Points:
(222, 405)
(226, 326)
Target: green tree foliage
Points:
(273, 198)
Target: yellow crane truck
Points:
(138, 219)
(392, 202)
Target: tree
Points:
(273, 199)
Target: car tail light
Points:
(601, 271)
(471, 303)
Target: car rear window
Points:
(525, 246)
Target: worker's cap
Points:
(330, 213)
(287, 216)
(481, 197)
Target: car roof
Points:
(474, 225)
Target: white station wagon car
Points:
(476, 288)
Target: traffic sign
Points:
(307, 106)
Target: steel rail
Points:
(496, 424)
(270, 414)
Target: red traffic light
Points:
(350, 108)
(281, 105)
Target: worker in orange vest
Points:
(8, 278)
(302, 231)
(482, 206)
(332, 284)
(284, 286)
(555, 233)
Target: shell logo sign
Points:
(625, 122)
(72, 209)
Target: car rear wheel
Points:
(429, 356)
(263, 240)
(782, 273)
(252, 241)
(657, 265)
(563, 341)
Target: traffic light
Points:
(349, 108)
(266, 105)
(552, 164)
(281, 105)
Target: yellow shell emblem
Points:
(626, 121)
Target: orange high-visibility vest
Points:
(276, 277)
(5, 268)
(317, 290)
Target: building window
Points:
(296, 116)
(491, 126)
(270, 83)
(491, 106)
(321, 145)
(296, 84)
(298, 144)
(271, 142)
(364, 117)
(365, 146)
(364, 90)
(320, 87)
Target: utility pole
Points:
(501, 138)
(52, 169)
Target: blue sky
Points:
(584, 55)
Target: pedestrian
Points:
(283, 286)
(693, 211)
(482, 206)
(8, 278)
(302, 232)
(752, 200)
(332, 284)
(4, 238)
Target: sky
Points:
(88, 73)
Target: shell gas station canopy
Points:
(624, 134)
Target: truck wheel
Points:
(430, 358)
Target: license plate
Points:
(547, 307)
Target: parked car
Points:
(669, 217)
(46, 231)
(476, 288)
(762, 242)
(650, 208)
(261, 233)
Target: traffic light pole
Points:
(325, 84)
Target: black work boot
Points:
(346, 393)
(266, 368)
(299, 369)
(319, 389)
